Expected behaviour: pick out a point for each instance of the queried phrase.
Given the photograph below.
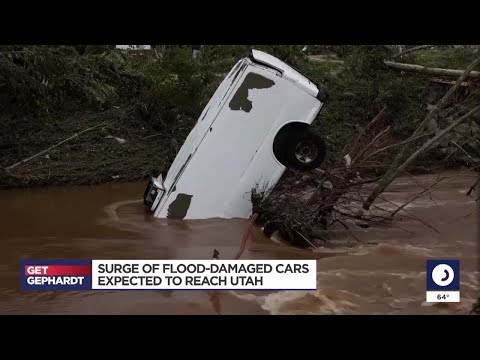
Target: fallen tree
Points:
(435, 71)
(429, 70)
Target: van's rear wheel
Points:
(304, 150)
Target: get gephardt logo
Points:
(443, 280)
(47, 275)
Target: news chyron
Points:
(442, 276)
(169, 275)
(56, 275)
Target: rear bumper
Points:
(153, 193)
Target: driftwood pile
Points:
(305, 205)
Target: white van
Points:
(256, 125)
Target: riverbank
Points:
(113, 151)
(132, 113)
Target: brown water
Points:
(108, 221)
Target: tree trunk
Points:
(429, 71)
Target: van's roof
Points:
(288, 72)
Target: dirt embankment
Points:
(132, 111)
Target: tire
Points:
(305, 150)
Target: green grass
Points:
(47, 95)
(444, 57)
(90, 158)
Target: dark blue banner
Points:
(443, 275)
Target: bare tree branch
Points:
(409, 140)
(393, 172)
(416, 48)
(8, 168)
(474, 186)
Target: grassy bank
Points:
(143, 105)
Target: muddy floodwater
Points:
(109, 222)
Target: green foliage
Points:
(47, 92)
(367, 60)
(176, 81)
(292, 54)
(41, 80)
(176, 88)
(215, 53)
(360, 88)
(403, 94)
(443, 57)
(337, 50)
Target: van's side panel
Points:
(207, 116)
(236, 151)
(193, 140)
(264, 171)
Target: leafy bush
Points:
(42, 80)
(43, 89)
